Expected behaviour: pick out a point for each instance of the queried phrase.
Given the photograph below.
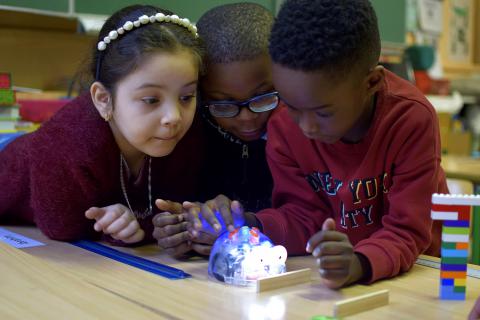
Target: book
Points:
(9, 112)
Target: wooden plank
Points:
(284, 280)
(361, 303)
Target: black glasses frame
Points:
(241, 104)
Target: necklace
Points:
(147, 211)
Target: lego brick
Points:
(453, 267)
(460, 282)
(455, 230)
(447, 293)
(447, 260)
(453, 253)
(462, 245)
(453, 274)
(457, 223)
(459, 289)
(455, 238)
(456, 199)
(449, 245)
(444, 215)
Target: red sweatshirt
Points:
(378, 190)
(52, 176)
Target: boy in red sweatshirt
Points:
(355, 156)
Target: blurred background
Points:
(435, 44)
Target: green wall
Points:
(191, 9)
(391, 13)
(51, 5)
(392, 19)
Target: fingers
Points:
(107, 215)
(94, 213)
(193, 215)
(332, 248)
(127, 232)
(173, 240)
(202, 249)
(117, 221)
(163, 219)
(179, 250)
(135, 237)
(328, 225)
(205, 238)
(324, 236)
(222, 204)
(208, 213)
(120, 223)
(238, 215)
(170, 206)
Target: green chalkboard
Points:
(50, 5)
(392, 19)
(191, 9)
(391, 13)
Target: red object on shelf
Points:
(423, 81)
(5, 81)
(40, 110)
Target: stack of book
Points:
(9, 110)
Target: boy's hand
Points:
(170, 228)
(171, 231)
(230, 212)
(338, 264)
(475, 313)
(117, 221)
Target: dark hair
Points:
(125, 53)
(325, 35)
(235, 32)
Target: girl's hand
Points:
(117, 221)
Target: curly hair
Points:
(325, 35)
(235, 32)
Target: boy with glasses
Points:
(238, 99)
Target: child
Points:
(108, 153)
(355, 156)
(238, 97)
(475, 312)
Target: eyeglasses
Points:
(228, 109)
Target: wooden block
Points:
(361, 303)
(284, 280)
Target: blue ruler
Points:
(134, 261)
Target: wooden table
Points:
(462, 167)
(413, 295)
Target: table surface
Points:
(462, 167)
(413, 295)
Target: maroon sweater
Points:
(52, 176)
(378, 190)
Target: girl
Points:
(110, 152)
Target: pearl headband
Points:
(159, 17)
